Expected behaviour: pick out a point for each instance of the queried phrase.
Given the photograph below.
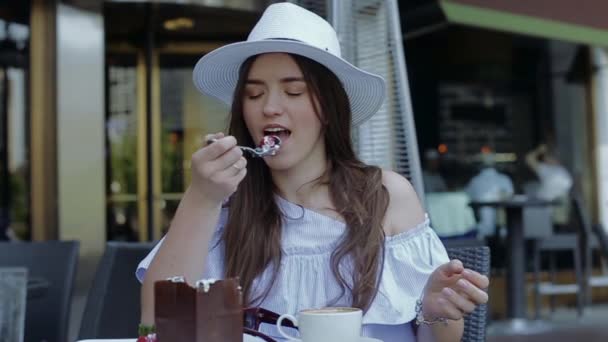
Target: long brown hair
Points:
(253, 231)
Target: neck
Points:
(303, 185)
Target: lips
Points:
(277, 130)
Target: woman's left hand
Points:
(453, 291)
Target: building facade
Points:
(99, 115)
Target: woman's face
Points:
(277, 101)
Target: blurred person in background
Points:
(487, 186)
(554, 180)
(433, 181)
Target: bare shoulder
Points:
(404, 210)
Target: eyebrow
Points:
(282, 80)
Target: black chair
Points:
(598, 242)
(569, 241)
(593, 238)
(53, 264)
(478, 259)
(602, 238)
(113, 303)
(464, 242)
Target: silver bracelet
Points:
(420, 317)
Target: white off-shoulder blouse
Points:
(305, 279)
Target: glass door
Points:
(156, 118)
(124, 123)
(185, 117)
(14, 122)
(148, 161)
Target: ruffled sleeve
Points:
(410, 258)
(140, 272)
(214, 260)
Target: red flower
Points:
(149, 338)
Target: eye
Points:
(295, 90)
(254, 96)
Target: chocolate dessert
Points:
(209, 312)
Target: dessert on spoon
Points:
(269, 146)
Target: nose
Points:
(273, 105)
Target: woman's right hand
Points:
(218, 168)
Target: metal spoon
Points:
(261, 151)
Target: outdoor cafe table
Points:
(516, 265)
(246, 338)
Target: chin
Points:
(279, 163)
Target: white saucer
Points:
(249, 338)
(246, 338)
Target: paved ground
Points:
(562, 318)
(562, 325)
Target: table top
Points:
(514, 202)
(246, 338)
(111, 340)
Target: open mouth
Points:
(281, 133)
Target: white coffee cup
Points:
(325, 325)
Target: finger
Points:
(219, 147)
(240, 175)
(445, 275)
(454, 267)
(219, 167)
(232, 175)
(237, 178)
(475, 294)
(210, 138)
(232, 180)
(460, 302)
(228, 160)
(223, 167)
(479, 280)
(449, 309)
(239, 165)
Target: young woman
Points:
(311, 226)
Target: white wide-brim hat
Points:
(288, 28)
